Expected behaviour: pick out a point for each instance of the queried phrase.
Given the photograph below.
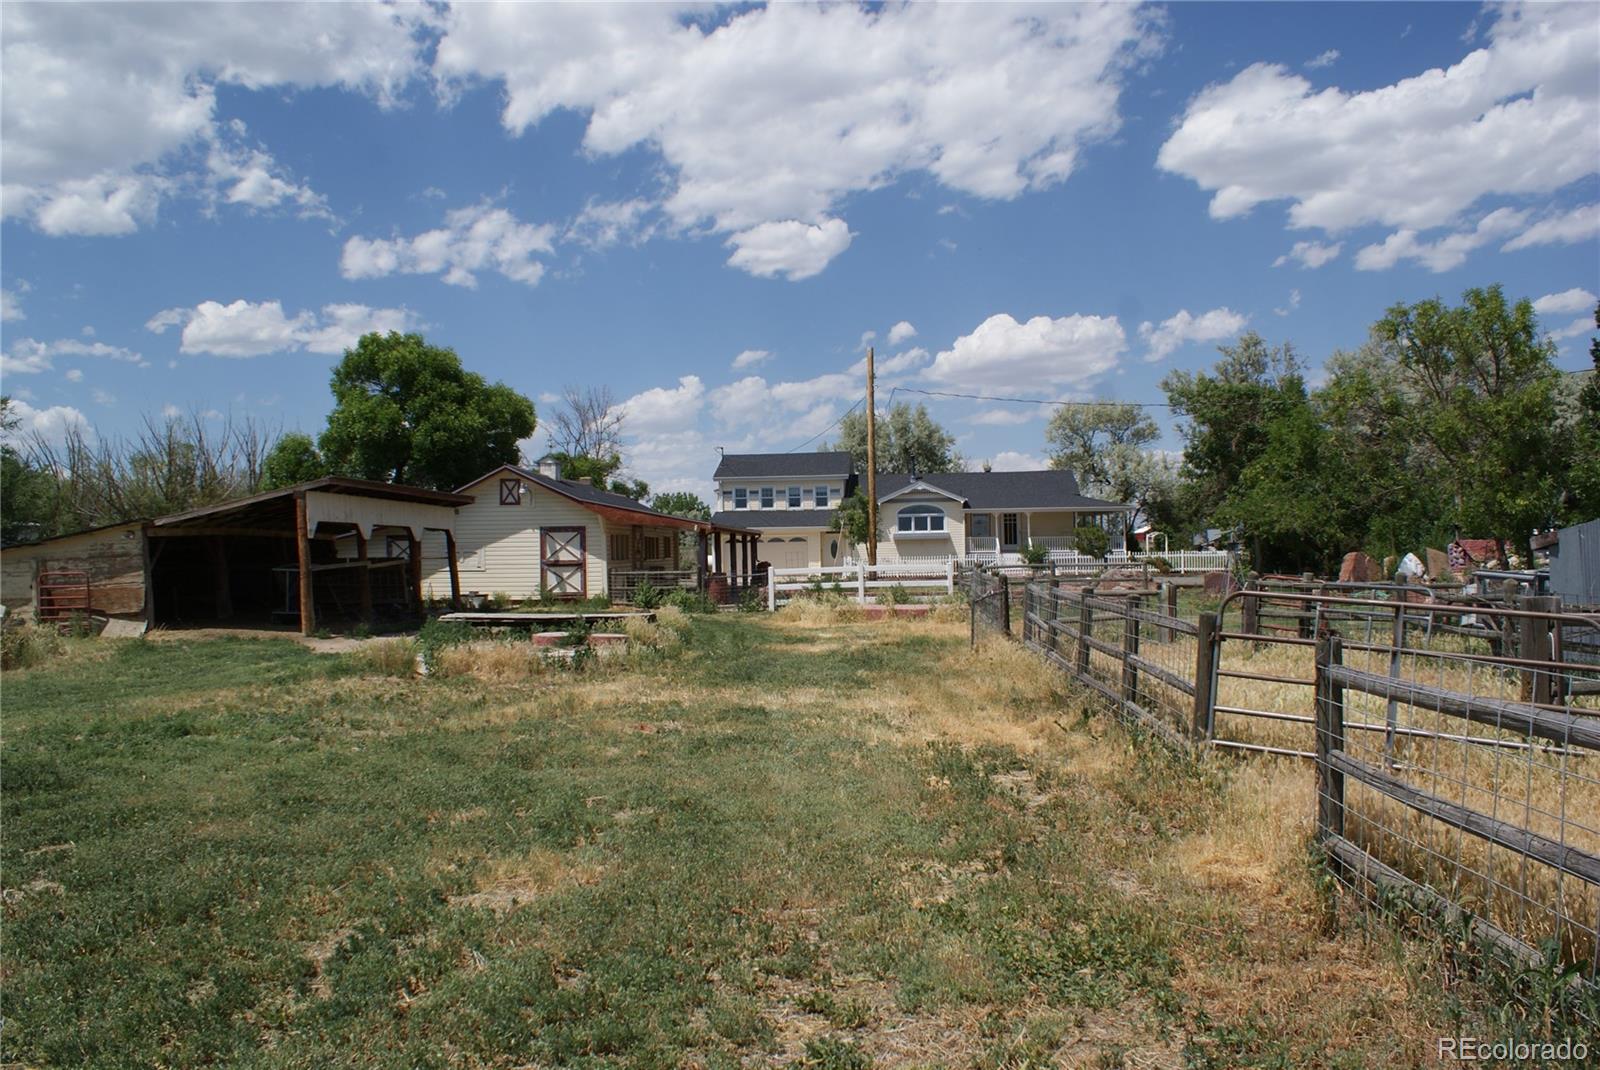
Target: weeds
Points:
(24, 645)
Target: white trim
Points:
(919, 485)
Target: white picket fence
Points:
(1179, 560)
(861, 581)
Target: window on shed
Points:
(794, 497)
(511, 492)
(920, 518)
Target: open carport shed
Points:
(298, 552)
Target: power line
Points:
(1033, 401)
(830, 427)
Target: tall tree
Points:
(1482, 385)
(909, 440)
(1104, 445)
(586, 440)
(27, 499)
(408, 412)
(1581, 434)
(681, 503)
(294, 458)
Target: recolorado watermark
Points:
(1476, 1050)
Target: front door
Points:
(1008, 531)
(563, 563)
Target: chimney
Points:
(549, 466)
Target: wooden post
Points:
(1130, 650)
(414, 567)
(1250, 607)
(1005, 603)
(1330, 739)
(1085, 630)
(1169, 596)
(1508, 625)
(700, 549)
(219, 566)
(364, 576)
(872, 466)
(1204, 647)
(455, 569)
(1391, 717)
(1304, 624)
(1534, 643)
(302, 539)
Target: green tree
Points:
(27, 490)
(602, 472)
(294, 458)
(1482, 386)
(681, 503)
(1104, 446)
(1582, 434)
(408, 412)
(851, 519)
(909, 440)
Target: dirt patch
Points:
(509, 883)
(319, 952)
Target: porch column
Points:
(1029, 518)
(364, 576)
(302, 546)
(455, 570)
(700, 540)
(414, 567)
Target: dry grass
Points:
(385, 657)
(506, 883)
(489, 660)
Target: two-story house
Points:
(789, 500)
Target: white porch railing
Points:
(859, 581)
(982, 544)
(1180, 560)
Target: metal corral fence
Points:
(861, 582)
(1456, 740)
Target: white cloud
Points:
(605, 223)
(1583, 325)
(548, 398)
(1006, 417)
(49, 424)
(10, 307)
(1310, 254)
(252, 178)
(664, 409)
(789, 248)
(751, 357)
(775, 116)
(1564, 228)
(171, 411)
(250, 329)
(1444, 253)
(1015, 461)
(103, 397)
(1566, 302)
(900, 332)
(1294, 303)
(912, 358)
(1001, 353)
(74, 375)
(1183, 328)
(29, 357)
(754, 402)
(1325, 59)
(1504, 120)
(477, 238)
(103, 107)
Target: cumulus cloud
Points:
(108, 108)
(1183, 328)
(251, 329)
(749, 358)
(1006, 417)
(1294, 303)
(26, 356)
(1324, 59)
(250, 177)
(1563, 228)
(768, 119)
(1002, 353)
(602, 224)
(1504, 120)
(1441, 254)
(789, 248)
(1016, 461)
(10, 307)
(1566, 302)
(50, 424)
(476, 238)
(664, 409)
(901, 332)
(1309, 254)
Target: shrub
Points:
(1091, 540)
(577, 633)
(672, 617)
(500, 599)
(689, 602)
(896, 595)
(646, 596)
(385, 657)
(751, 601)
(23, 645)
(1035, 555)
(1161, 565)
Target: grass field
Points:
(780, 840)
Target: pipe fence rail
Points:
(1456, 740)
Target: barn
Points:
(332, 549)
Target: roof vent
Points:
(550, 466)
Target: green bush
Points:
(1034, 555)
(1091, 540)
(23, 645)
(646, 595)
(689, 602)
(751, 601)
(894, 596)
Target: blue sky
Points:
(203, 206)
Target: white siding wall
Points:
(497, 545)
(953, 543)
(780, 491)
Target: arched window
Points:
(920, 518)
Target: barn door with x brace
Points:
(563, 563)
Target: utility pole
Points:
(872, 468)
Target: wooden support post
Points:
(1538, 685)
(1508, 625)
(219, 567)
(364, 577)
(1330, 739)
(1005, 603)
(1304, 627)
(1085, 630)
(1203, 723)
(414, 568)
(1169, 598)
(700, 541)
(1130, 650)
(302, 540)
(455, 569)
(1250, 607)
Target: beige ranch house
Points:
(790, 501)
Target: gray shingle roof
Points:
(1048, 489)
(778, 465)
(774, 519)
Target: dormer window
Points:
(511, 492)
(741, 498)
